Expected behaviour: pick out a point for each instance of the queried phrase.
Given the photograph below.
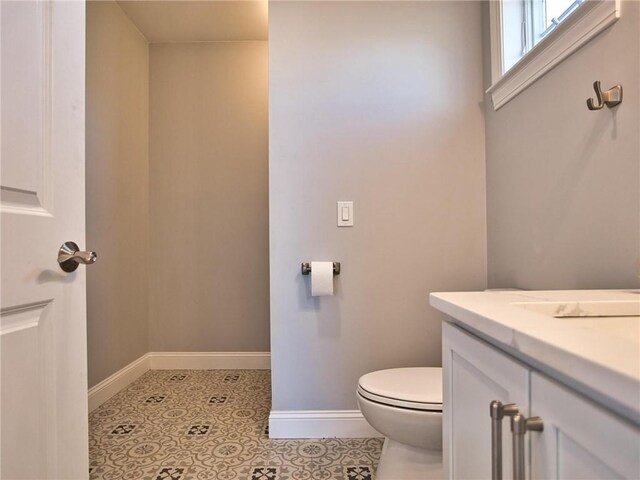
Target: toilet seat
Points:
(418, 388)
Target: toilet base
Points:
(402, 462)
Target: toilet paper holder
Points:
(306, 268)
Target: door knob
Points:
(70, 256)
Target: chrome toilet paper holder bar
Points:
(306, 268)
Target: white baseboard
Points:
(320, 424)
(111, 385)
(209, 360)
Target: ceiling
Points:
(198, 21)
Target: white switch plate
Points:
(345, 214)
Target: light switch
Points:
(345, 214)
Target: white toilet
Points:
(405, 405)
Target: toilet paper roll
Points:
(321, 278)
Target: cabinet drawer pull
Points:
(519, 427)
(498, 411)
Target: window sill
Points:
(586, 22)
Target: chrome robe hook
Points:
(610, 98)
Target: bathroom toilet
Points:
(405, 405)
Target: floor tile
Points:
(211, 425)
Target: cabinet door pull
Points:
(497, 411)
(520, 425)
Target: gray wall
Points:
(177, 184)
(379, 103)
(209, 197)
(563, 183)
(117, 189)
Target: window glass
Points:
(555, 11)
(526, 22)
(530, 37)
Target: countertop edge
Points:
(603, 385)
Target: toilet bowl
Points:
(405, 405)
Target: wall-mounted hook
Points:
(610, 98)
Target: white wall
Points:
(379, 103)
(209, 286)
(117, 167)
(563, 182)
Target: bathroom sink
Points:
(591, 308)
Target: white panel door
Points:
(474, 374)
(43, 377)
(580, 440)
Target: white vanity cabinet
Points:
(474, 374)
(580, 440)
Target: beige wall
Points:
(563, 183)
(379, 103)
(117, 190)
(209, 197)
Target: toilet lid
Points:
(419, 387)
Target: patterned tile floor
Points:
(211, 424)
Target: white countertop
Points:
(600, 354)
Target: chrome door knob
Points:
(70, 256)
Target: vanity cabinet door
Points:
(475, 374)
(580, 440)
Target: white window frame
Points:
(589, 19)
